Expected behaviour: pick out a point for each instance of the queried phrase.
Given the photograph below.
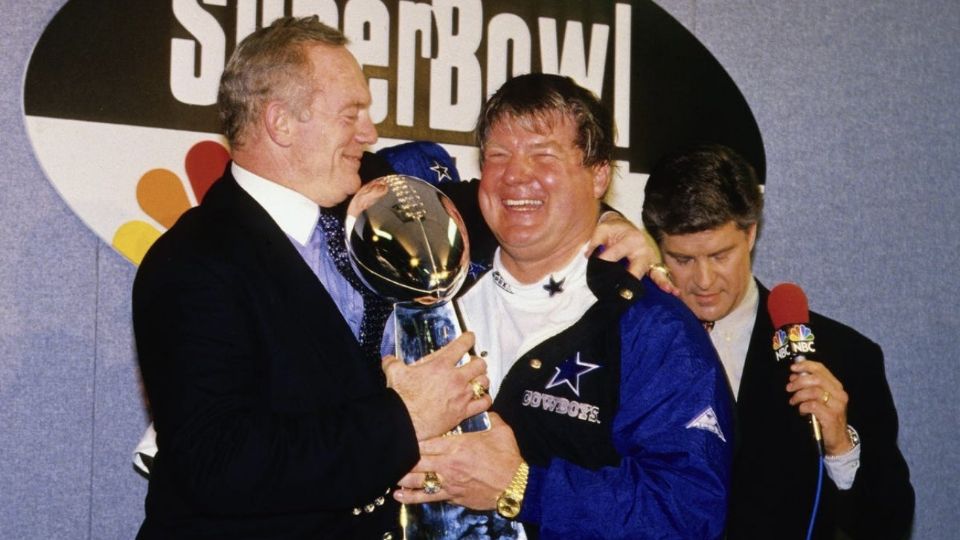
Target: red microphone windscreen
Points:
(788, 305)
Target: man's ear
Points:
(752, 235)
(602, 174)
(277, 122)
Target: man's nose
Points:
(367, 131)
(704, 275)
(517, 171)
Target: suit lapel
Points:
(301, 297)
(763, 403)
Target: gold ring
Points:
(478, 390)
(826, 397)
(431, 483)
(659, 267)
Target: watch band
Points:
(854, 436)
(510, 501)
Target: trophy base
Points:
(445, 521)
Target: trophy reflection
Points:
(408, 243)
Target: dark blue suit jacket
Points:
(775, 463)
(270, 423)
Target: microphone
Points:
(793, 338)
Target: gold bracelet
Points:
(509, 502)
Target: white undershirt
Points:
(731, 335)
(509, 318)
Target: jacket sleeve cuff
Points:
(406, 442)
(842, 469)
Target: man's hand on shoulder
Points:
(621, 239)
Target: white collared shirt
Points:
(293, 212)
(731, 335)
(297, 216)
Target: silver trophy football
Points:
(408, 243)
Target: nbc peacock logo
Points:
(164, 196)
(779, 339)
(800, 332)
(125, 154)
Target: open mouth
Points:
(523, 204)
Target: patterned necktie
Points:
(375, 309)
(708, 325)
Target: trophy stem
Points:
(422, 330)
(408, 243)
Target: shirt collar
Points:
(743, 316)
(295, 214)
(571, 275)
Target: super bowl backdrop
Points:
(120, 96)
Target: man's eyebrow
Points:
(675, 254)
(678, 255)
(545, 144)
(352, 105)
(721, 251)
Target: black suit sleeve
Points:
(775, 468)
(247, 420)
(881, 502)
(373, 166)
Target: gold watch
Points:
(508, 502)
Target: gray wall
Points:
(857, 102)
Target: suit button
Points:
(379, 501)
(535, 363)
(626, 294)
(369, 508)
(357, 511)
(387, 536)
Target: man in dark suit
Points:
(704, 207)
(271, 420)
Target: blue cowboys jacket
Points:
(637, 441)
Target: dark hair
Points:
(270, 64)
(535, 98)
(701, 188)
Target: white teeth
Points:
(522, 202)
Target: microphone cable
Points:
(816, 499)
